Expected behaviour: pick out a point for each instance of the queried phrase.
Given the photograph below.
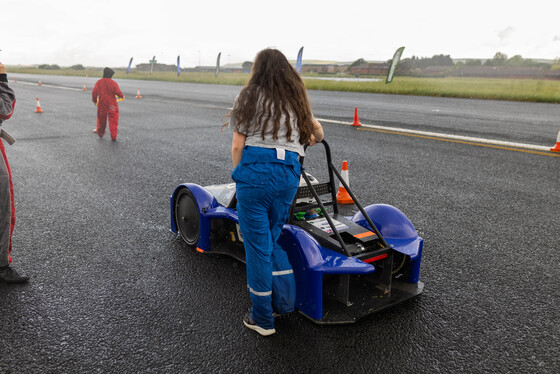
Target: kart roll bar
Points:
(333, 202)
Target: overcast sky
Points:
(109, 33)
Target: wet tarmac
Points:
(112, 290)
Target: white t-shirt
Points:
(255, 139)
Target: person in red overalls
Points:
(7, 207)
(103, 95)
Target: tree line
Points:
(56, 67)
(499, 59)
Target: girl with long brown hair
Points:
(272, 121)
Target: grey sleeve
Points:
(7, 98)
(232, 122)
(233, 119)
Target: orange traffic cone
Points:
(15, 80)
(343, 197)
(84, 89)
(356, 120)
(38, 109)
(556, 148)
(138, 96)
(40, 83)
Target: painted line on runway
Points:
(549, 153)
(50, 86)
(498, 144)
(149, 98)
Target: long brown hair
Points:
(276, 85)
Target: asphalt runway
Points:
(113, 291)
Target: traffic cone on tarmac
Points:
(343, 197)
(556, 148)
(138, 96)
(356, 119)
(38, 108)
(84, 89)
(40, 83)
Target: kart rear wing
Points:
(329, 188)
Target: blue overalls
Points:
(266, 185)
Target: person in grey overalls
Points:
(7, 211)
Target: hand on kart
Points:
(318, 134)
(312, 140)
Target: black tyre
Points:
(187, 217)
(399, 260)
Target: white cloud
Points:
(505, 33)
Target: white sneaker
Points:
(249, 323)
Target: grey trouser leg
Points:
(5, 213)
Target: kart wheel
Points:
(186, 217)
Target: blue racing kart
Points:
(345, 267)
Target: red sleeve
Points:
(94, 93)
(118, 90)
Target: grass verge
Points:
(531, 90)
